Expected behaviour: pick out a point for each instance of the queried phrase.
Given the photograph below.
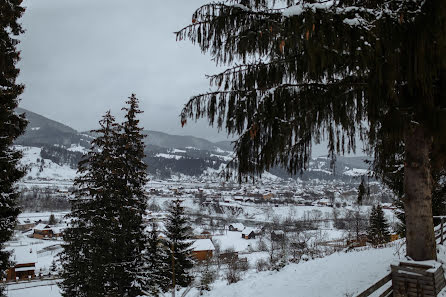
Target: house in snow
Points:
(277, 235)
(236, 227)
(249, 233)
(24, 261)
(24, 224)
(268, 196)
(203, 249)
(44, 231)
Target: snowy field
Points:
(338, 275)
(30, 290)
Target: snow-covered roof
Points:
(41, 227)
(277, 232)
(58, 229)
(238, 226)
(203, 245)
(23, 255)
(248, 230)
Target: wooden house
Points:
(24, 224)
(42, 231)
(24, 259)
(277, 235)
(236, 227)
(248, 233)
(268, 196)
(203, 249)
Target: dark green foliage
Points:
(86, 250)
(178, 245)
(156, 264)
(361, 191)
(52, 220)
(103, 254)
(11, 124)
(333, 70)
(131, 204)
(378, 231)
(313, 74)
(61, 156)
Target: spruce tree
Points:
(107, 213)
(156, 266)
(361, 191)
(178, 245)
(86, 253)
(378, 231)
(310, 69)
(131, 204)
(12, 125)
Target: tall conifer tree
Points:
(178, 244)
(87, 250)
(313, 68)
(131, 204)
(11, 124)
(156, 265)
(378, 231)
(105, 246)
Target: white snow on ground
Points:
(173, 151)
(168, 156)
(224, 158)
(356, 172)
(334, 276)
(77, 148)
(27, 290)
(50, 170)
(337, 275)
(234, 240)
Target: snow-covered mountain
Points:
(53, 149)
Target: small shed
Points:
(203, 249)
(236, 227)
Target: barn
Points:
(203, 249)
(42, 231)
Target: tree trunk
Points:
(420, 238)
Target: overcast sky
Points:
(83, 57)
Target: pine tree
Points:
(107, 228)
(361, 191)
(314, 68)
(11, 124)
(52, 220)
(156, 266)
(178, 245)
(131, 199)
(378, 232)
(86, 253)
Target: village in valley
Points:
(223, 148)
(242, 227)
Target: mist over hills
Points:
(167, 154)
